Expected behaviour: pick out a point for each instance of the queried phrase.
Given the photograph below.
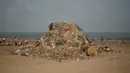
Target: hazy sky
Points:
(91, 15)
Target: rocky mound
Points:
(63, 40)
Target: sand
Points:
(104, 63)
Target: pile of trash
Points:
(63, 40)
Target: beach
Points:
(116, 62)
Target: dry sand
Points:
(104, 63)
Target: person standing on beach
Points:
(16, 41)
(3, 39)
(102, 39)
(38, 38)
(123, 41)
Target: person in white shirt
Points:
(3, 39)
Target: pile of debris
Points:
(63, 40)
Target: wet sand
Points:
(104, 63)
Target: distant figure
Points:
(102, 39)
(38, 38)
(16, 41)
(123, 41)
(16, 38)
(93, 39)
(3, 39)
(51, 26)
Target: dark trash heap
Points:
(64, 40)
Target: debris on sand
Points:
(105, 49)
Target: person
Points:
(16, 41)
(38, 38)
(51, 26)
(1, 39)
(102, 39)
(93, 39)
(123, 41)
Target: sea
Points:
(90, 35)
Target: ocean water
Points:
(90, 35)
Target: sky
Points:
(90, 15)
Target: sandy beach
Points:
(117, 62)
